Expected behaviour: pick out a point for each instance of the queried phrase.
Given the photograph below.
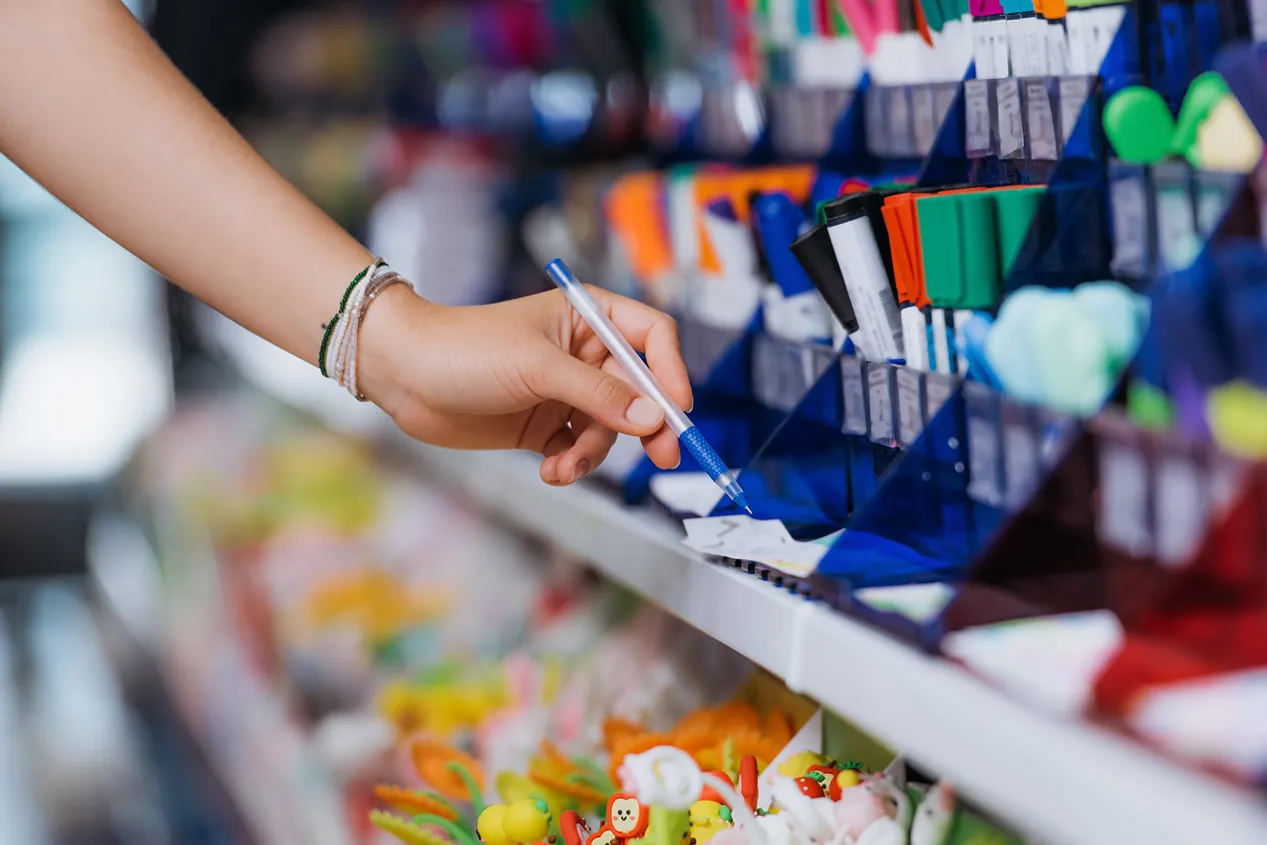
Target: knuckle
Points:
(613, 392)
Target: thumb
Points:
(606, 399)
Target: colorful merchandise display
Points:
(516, 730)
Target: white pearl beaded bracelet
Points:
(338, 354)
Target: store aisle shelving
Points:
(1064, 782)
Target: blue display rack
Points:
(932, 479)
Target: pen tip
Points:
(749, 510)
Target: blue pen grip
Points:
(692, 440)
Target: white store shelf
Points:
(1064, 782)
(639, 549)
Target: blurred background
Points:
(381, 111)
(138, 685)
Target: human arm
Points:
(113, 130)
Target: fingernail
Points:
(582, 470)
(645, 413)
(678, 462)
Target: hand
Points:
(524, 374)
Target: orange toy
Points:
(711, 736)
(432, 760)
(556, 772)
(627, 816)
(627, 819)
(573, 828)
(415, 802)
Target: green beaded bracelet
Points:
(343, 303)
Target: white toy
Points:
(935, 816)
(884, 831)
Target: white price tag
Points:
(901, 131)
(767, 370)
(983, 461)
(984, 444)
(815, 360)
(1042, 127)
(1074, 91)
(855, 395)
(978, 139)
(943, 102)
(1130, 226)
(1011, 131)
(925, 120)
(763, 541)
(877, 126)
(1177, 240)
(938, 389)
(1124, 499)
(880, 406)
(1183, 509)
(1020, 463)
(793, 384)
(910, 406)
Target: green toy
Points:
(1204, 94)
(1138, 123)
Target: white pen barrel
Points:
(630, 361)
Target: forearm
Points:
(91, 109)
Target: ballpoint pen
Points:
(690, 437)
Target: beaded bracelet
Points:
(340, 345)
(343, 304)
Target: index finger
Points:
(655, 334)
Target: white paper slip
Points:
(762, 541)
(918, 602)
(686, 492)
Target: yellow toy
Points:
(441, 709)
(527, 821)
(512, 824)
(372, 602)
(708, 818)
(798, 765)
(847, 778)
(490, 825)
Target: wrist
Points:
(389, 337)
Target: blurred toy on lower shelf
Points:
(450, 682)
